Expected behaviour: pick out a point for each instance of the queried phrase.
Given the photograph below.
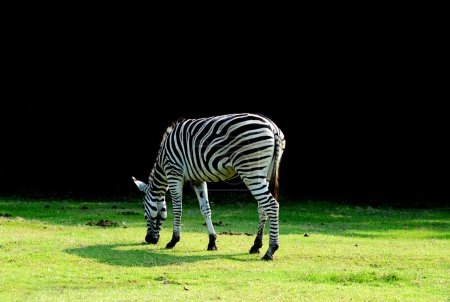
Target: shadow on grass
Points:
(140, 255)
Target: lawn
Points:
(54, 251)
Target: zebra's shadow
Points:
(143, 256)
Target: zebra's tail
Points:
(275, 165)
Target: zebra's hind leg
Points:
(202, 194)
(260, 190)
(259, 237)
(271, 208)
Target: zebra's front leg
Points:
(176, 190)
(259, 237)
(202, 194)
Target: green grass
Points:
(48, 253)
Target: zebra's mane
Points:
(170, 129)
(165, 135)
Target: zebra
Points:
(212, 149)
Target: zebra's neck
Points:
(157, 182)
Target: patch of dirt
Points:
(5, 215)
(130, 213)
(161, 278)
(235, 233)
(217, 223)
(103, 223)
(167, 281)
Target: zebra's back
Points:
(220, 147)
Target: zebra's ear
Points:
(141, 186)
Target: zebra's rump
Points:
(218, 148)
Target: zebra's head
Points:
(154, 211)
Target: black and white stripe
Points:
(215, 149)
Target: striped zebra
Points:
(213, 149)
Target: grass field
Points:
(49, 253)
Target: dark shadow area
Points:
(374, 155)
(112, 254)
(85, 109)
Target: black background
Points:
(84, 109)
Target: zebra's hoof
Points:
(212, 242)
(212, 248)
(151, 240)
(267, 257)
(170, 245)
(173, 241)
(254, 250)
